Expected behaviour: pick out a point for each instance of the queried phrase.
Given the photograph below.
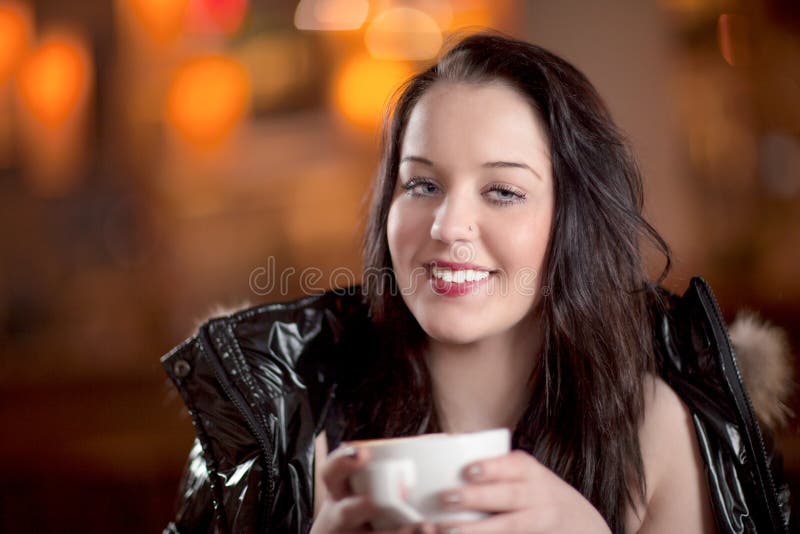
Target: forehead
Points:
(468, 122)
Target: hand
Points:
(342, 511)
(526, 497)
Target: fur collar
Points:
(764, 359)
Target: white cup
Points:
(405, 475)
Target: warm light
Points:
(15, 31)
(207, 98)
(440, 10)
(215, 16)
(54, 78)
(54, 83)
(403, 33)
(278, 65)
(163, 19)
(330, 14)
(687, 6)
(363, 88)
(732, 36)
(475, 14)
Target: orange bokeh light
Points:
(475, 14)
(363, 87)
(213, 16)
(403, 33)
(733, 39)
(54, 78)
(207, 98)
(15, 33)
(162, 19)
(330, 14)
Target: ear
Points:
(766, 363)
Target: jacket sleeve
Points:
(743, 468)
(194, 507)
(255, 387)
(257, 384)
(222, 488)
(775, 460)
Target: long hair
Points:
(583, 417)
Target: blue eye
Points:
(503, 195)
(498, 194)
(419, 187)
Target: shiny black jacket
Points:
(259, 385)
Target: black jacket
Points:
(259, 385)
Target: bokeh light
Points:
(471, 13)
(54, 78)
(330, 14)
(15, 35)
(688, 7)
(216, 16)
(207, 98)
(161, 19)
(732, 37)
(440, 10)
(403, 33)
(277, 65)
(363, 87)
(54, 84)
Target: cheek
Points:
(531, 243)
(405, 232)
(522, 251)
(393, 232)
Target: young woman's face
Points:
(470, 219)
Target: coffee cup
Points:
(405, 475)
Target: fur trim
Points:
(764, 359)
(220, 310)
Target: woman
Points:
(503, 286)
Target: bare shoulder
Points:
(320, 456)
(677, 492)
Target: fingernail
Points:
(451, 497)
(474, 471)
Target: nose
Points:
(453, 220)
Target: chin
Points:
(459, 334)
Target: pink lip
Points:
(455, 289)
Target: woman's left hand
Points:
(524, 495)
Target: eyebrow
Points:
(488, 164)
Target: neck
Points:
(483, 384)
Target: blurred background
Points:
(159, 157)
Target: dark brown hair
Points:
(583, 418)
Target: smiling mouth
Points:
(458, 276)
(457, 272)
(456, 282)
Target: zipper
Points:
(751, 425)
(238, 401)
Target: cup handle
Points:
(387, 478)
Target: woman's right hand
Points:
(342, 510)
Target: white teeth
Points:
(459, 277)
